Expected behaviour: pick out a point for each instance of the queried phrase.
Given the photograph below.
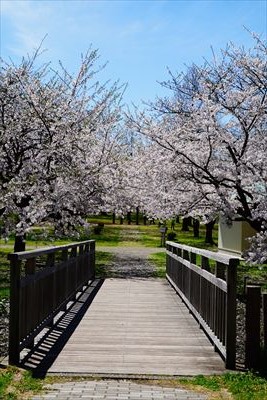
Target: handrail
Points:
(220, 257)
(24, 255)
(210, 296)
(42, 282)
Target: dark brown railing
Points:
(211, 297)
(42, 282)
(255, 328)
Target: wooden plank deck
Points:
(137, 327)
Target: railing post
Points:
(65, 255)
(92, 260)
(73, 254)
(14, 319)
(50, 260)
(168, 260)
(264, 311)
(30, 267)
(186, 255)
(230, 326)
(65, 283)
(193, 260)
(205, 263)
(193, 257)
(253, 306)
(220, 270)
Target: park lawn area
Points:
(124, 235)
(102, 259)
(159, 260)
(148, 235)
(4, 273)
(188, 239)
(128, 235)
(109, 236)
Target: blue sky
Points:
(139, 39)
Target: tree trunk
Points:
(20, 244)
(177, 219)
(209, 231)
(121, 221)
(145, 219)
(113, 218)
(196, 227)
(137, 215)
(185, 224)
(129, 217)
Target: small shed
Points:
(232, 238)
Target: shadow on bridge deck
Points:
(51, 342)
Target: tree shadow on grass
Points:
(40, 358)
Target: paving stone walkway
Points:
(115, 390)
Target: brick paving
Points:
(115, 390)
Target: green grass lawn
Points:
(4, 273)
(159, 259)
(102, 259)
(234, 386)
(128, 235)
(16, 384)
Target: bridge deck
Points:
(137, 326)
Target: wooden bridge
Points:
(65, 321)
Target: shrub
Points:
(171, 236)
(99, 228)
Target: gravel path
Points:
(131, 251)
(129, 262)
(4, 320)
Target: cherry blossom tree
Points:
(58, 142)
(125, 195)
(214, 128)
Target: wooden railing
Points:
(42, 282)
(210, 296)
(255, 328)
